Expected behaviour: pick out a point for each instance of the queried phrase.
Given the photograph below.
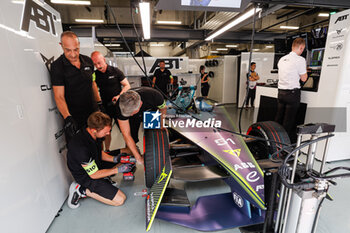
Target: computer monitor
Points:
(316, 57)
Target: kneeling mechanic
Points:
(90, 165)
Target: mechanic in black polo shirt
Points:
(161, 77)
(71, 78)
(111, 83)
(89, 165)
(130, 108)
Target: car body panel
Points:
(229, 150)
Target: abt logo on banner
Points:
(151, 120)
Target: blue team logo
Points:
(151, 120)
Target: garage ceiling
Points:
(196, 25)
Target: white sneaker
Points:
(74, 195)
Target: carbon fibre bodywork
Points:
(245, 204)
(230, 151)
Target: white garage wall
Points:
(230, 79)
(223, 87)
(33, 175)
(264, 65)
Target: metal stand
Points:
(299, 204)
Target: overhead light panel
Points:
(112, 45)
(89, 20)
(71, 2)
(169, 22)
(157, 45)
(233, 23)
(256, 50)
(222, 49)
(231, 46)
(269, 46)
(323, 14)
(289, 27)
(145, 19)
(18, 1)
(214, 51)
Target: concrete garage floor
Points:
(93, 216)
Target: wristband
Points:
(116, 159)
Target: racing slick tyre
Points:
(269, 130)
(156, 147)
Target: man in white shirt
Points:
(291, 69)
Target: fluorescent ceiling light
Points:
(269, 46)
(112, 45)
(89, 20)
(145, 19)
(231, 46)
(289, 27)
(71, 2)
(18, 1)
(157, 45)
(222, 49)
(233, 23)
(168, 22)
(214, 51)
(323, 14)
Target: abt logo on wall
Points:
(341, 18)
(170, 63)
(42, 18)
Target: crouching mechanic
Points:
(130, 107)
(89, 165)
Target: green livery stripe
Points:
(244, 144)
(162, 105)
(241, 181)
(159, 200)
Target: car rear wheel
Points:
(156, 147)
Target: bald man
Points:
(71, 78)
(111, 83)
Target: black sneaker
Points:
(74, 195)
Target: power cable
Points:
(249, 71)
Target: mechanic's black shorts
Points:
(102, 187)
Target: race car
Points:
(199, 144)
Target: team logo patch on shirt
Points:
(90, 167)
(87, 68)
(110, 77)
(151, 120)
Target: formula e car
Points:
(200, 144)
